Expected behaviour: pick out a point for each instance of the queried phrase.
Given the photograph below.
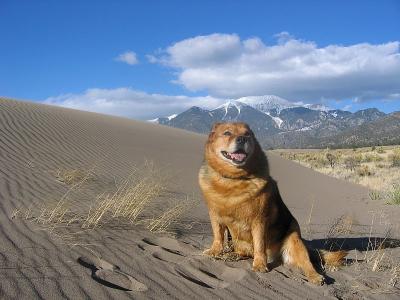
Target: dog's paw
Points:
(213, 251)
(316, 279)
(260, 265)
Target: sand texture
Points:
(117, 261)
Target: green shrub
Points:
(367, 158)
(332, 159)
(371, 158)
(351, 162)
(374, 195)
(394, 195)
(377, 158)
(358, 157)
(364, 171)
(394, 158)
(320, 161)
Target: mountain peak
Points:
(274, 104)
(196, 108)
(231, 103)
(229, 107)
(267, 103)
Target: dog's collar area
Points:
(213, 171)
(236, 178)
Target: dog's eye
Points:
(227, 133)
(247, 133)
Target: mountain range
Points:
(279, 123)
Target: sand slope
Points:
(36, 140)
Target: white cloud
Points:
(131, 103)
(203, 51)
(226, 66)
(128, 57)
(152, 58)
(347, 107)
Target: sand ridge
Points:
(36, 140)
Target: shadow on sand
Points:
(354, 243)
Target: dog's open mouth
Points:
(238, 156)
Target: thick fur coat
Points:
(243, 198)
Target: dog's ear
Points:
(251, 132)
(212, 132)
(215, 126)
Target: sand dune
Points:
(37, 140)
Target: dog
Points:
(243, 198)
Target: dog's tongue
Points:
(238, 156)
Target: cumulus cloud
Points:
(127, 102)
(225, 65)
(128, 57)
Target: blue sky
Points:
(143, 59)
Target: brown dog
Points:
(243, 198)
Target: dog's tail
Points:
(332, 259)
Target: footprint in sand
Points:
(168, 252)
(191, 265)
(111, 275)
(205, 273)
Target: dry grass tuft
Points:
(364, 171)
(129, 199)
(54, 214)
(393, 196)
(394, 275)
(170, 216)
(124, 206)
(340, 226)
(374, 195)
(72, 176)
(394, 158)
(379, 257)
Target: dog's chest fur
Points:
(232, 199)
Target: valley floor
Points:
(377, 168)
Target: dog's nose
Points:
(241, 140)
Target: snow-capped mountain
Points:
(275, 121)
(162, 119)
(316, 106)
(273, 105)
(232, 106)
(267, 103)
(201, 120)
(171, 116)
(270, 104)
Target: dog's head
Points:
(231, 143)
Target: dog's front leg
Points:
(258, 230)
(218, 232)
